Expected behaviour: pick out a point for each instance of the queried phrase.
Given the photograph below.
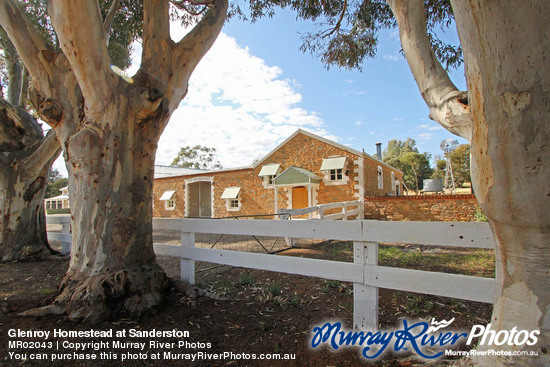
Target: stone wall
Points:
(443, 208)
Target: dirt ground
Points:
(245, 311)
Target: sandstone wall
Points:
(443, 208)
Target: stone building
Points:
(302, 171)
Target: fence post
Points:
(365, 298)
(66, 229)
(344, 211)
(187, 269)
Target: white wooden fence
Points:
(365, 273)
(65, 236)
(345, 214)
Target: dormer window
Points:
(336, 174)
(269, 172)
(169, 199)
(232, 197)
(334, 170)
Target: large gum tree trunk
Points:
(507, 120)
(23, 223)
(109, 129)
(507, 52)
(112, 260)
(25, 163)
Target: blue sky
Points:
(255, 88)
(360, 108)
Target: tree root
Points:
(52, 309)
(193, 292)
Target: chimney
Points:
(379, 150)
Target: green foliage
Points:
(460, 160)
(480, 216)
(404, 156)
(348, 31)
(246, 280)
(199, 157)
(439, 171)
(126, 27)
(420, 166)
(55, 184)
(275, 289)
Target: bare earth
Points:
(245, 311)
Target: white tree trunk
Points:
(109, 130)
(25, 160)
(22, 219)
(506, 52)
(112, 258)
(505, 46)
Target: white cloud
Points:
(393, 57)
(239, 105)
(358, 122)
(431, 127)
(236, 103)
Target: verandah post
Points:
(365, 298)
(187, 267)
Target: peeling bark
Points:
(27, 158)
(506, 45)
(109, 131)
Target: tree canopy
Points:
(404, 156)
(348, 31)
(199, 157)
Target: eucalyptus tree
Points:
(26, 156)
(504, 46)
(27, 153)
(109, 126)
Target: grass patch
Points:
(477, 262)
(275, 289)
(246, 280)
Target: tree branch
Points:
(17, 127)
(157, 45)
(115, 5)
(448, 105)
(338, 25)
(45, 154)
(27, 41)
(190, 50)
(79, 27)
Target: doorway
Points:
(199, 197)
(299, 197)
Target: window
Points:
(380, 178)
(269, 172)
(169, 198)
(336, 174)
(333, 170)
(232, 197)
(170, 204)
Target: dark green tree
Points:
(460, 160)
(404, 156)
(199, 157)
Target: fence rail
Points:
(364, 272)
(320, 209)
